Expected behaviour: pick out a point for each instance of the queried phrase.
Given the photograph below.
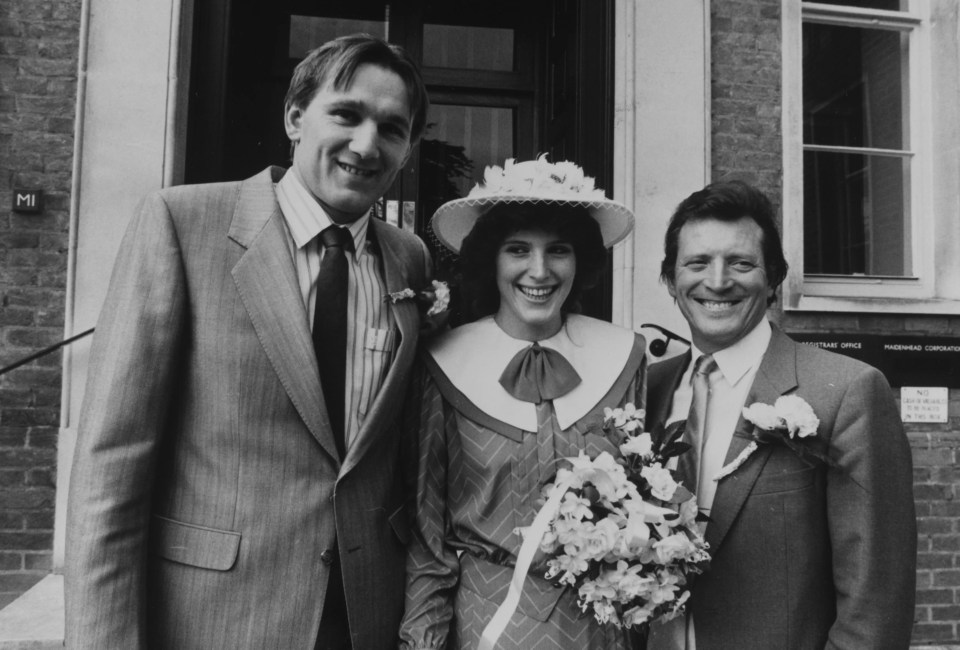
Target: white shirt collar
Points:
(306, 218)
(735, 361)
(473, 356)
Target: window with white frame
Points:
(860, 207)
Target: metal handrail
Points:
(45, 351)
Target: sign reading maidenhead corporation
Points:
(904, 360)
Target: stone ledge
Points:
(35, 620)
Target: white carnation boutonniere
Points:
(789, 421)
(434, 303)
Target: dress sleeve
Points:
(432, 565)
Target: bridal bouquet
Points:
(624, 533)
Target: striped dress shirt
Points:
(371, 332)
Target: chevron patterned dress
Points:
(479, 480)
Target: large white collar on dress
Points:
(473, 357)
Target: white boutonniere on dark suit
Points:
(790, 421)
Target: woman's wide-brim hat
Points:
(536, 182)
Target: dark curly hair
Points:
(478, 255)
(728, 201)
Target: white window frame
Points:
(935, 260)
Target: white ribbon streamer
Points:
(531, 542)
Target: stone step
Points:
(35, 620)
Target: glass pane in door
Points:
(459, 143)
(469, 48)
(308, 32)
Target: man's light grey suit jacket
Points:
(206, 486)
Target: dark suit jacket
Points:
(206, 491)
(805, 556)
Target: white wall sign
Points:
(923, 404)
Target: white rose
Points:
(800, 419)
(602, 539)
(673, 547)
(641, 445)
(661, 482)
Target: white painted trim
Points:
(65, 438)
(129, 137)
(661, 141)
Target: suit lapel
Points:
(267, 282)
(406, 316)
(776, 376)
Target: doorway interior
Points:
(506, 79)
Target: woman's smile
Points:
(535, 272)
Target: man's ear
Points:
(292, 116)
(671, 288)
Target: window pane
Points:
(854, 86)
(471, 48)
(459, 143)
(854, 214)
(890, 5)
(308, 32)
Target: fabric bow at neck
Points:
(537, 374)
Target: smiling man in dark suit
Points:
(236, 480)
(806, 554)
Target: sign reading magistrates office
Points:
(904, 360)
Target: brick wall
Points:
(38, 63)
(746, 69)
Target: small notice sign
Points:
(923, 404)
(27, 201)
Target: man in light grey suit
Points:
(805, 554)
(223, 494)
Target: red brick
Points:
(935, 596)
(932, 526)
(28, 498)
(945, 543)
(935, 560)
(932, 492)
(11, 521)
(951, 613)
(924, 632)
(11, 561)
(33, 541)
(42, 477)
(12, 478)
(13, 437)
(945, 509)
(38, 561)
(38, 520)
(26, 458)
(946, 578)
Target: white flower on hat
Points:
(538, 178)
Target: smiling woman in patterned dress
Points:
(505, 397)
